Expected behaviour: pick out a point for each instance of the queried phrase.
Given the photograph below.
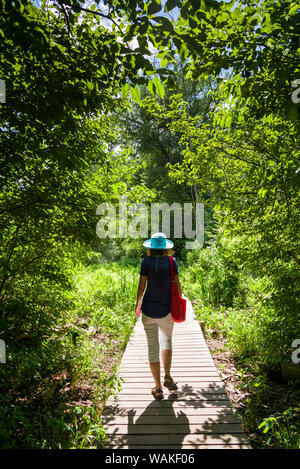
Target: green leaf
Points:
(90, 85)
(160, 91)
(150, 87)
(125, 90)
(154, 7)
(135, 94)
(171, 83)
(223, 17)
(164, 62)
(166, 24)
(170, 4)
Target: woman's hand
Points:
(141, 288)
(138, 310)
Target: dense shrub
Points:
(212, 276)
(255, 310)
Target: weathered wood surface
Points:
(198, 415)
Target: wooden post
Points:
(202, 325)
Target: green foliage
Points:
(28, 320)
(155, 147)
(107, 289)
(212, 277)
(57, 166)
(256, 41)
(282, 429)
(252, 326)
(70, 347)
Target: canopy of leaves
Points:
(64, 66)
(257, 40)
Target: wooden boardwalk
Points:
(198, 415)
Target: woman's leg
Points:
(166, 326)
(151, 330)
(166, 356)
(155, 370)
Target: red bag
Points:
(178, 304)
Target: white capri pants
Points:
(152, 326)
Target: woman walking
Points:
(155, 271)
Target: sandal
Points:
(169, 383)
(157, 393)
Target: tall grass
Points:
(105, 295)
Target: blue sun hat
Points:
(158, 241)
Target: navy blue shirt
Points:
(156, 300)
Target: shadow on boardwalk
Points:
(170, 419)
(171, 424)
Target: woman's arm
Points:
(178, 284)
(141, 288)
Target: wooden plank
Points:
(179, 361)
(179, 372)
(195, 440)
(173, 429)
(138, 376)
(143, 358)
(115, 410)
(143, 375)
(145, 405)
(209, 396)
(141, 420)
(182, 386)
(187, 354)
(176, 357)
(192, 369)
(175, 353)
(189, 342)
(181, 364)
(178, 350)
(145, 369)
(178, 377)
(175, 336)
(198, 389)
(141, 339)
(198, 369)
(180, 394)
(182, 344)
(190, 387)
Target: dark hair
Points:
(159, 252)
